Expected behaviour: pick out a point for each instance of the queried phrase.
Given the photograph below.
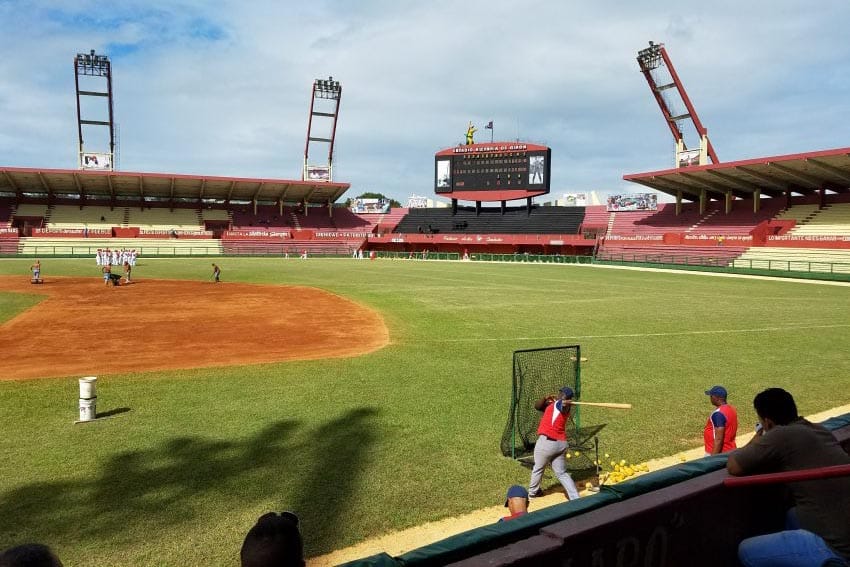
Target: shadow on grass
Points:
(178, 484)
(112, 412)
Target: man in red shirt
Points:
(552, 443)
(722, 425)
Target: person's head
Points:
(566, 393)
(29, 555)
(274, 541)
(774, 407)
(717, 395)
(516, 499)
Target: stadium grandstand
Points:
(723, 211)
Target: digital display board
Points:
(513, 170)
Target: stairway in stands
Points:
(702, 220)
(125, 222)
(610, 223)
(295, 222)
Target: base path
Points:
(84, 327)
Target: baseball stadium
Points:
(281, 345)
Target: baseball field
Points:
(366, 396)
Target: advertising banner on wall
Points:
(688, 158)
(99, 161)
(575, 199)
(633, 202)
(317, 173)
(361, 206)
(417, 202)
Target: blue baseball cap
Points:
(567, 391)
(718, 391)
(516, 491)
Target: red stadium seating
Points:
(663, 254)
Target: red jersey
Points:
(723, 416)
(553, 423)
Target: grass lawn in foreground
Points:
(361, 446)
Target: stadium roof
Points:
(128, 184)
(774, 176)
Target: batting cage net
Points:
(538, 373)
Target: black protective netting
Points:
(538, 373)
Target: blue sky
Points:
(223, 88)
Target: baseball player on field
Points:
(552, 443)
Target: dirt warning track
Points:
(83, 327)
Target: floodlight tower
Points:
(324, 104)
(97, 66)
(651, 61)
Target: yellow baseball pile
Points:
(620, 471)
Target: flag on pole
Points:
(489, 126)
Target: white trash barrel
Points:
(88, 409)
(88, 387)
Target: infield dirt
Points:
(84, 327)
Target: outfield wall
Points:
(668, 517)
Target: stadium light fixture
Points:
(650, 58)
(327, 88)
(92, 64)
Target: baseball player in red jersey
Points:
(722, 425)
(552, 443)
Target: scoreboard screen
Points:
(502, 167)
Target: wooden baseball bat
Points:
(611, 405)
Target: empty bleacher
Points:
(6, 210)
(663, 220)
(291, 247)
(267, 217)
(215, 215)
(31, 210)
(316, 218)
(42, 246)
(741, 220)
(61, 217)
(798, 213)
(832, 220)
(516, 220)
(670, 254)
(389, 221)
(162, 219)
(345, 219)
(796, 259)
(596, 216)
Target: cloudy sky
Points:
(223, 87)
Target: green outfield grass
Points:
(409, 434)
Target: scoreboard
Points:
(490, 172)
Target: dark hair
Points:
(776, 404)
(275, 540)
(29, 555)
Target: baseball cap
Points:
(718, 391)
(516, 491)
(567, 391)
